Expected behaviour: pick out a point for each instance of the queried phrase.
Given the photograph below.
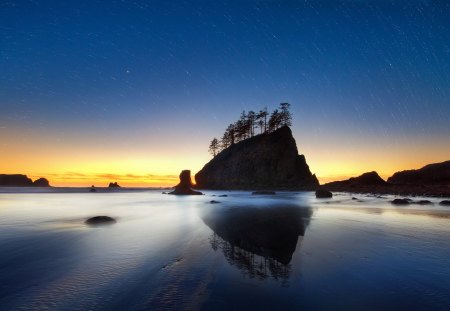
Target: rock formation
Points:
(266, 161)
(113, 185)
(185, 185)
(431, 174)
(323, 194)
(41, 182)
(100, 220)
(19, 180)
(370, 179)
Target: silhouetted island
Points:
(265, 161)
(19, 180)
(431, 174)
(430, 180)
(185, 185)
(113, 185)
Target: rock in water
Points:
(323, 194)
(100, 220)
(266, 161)
(113, 185)
(445, 203)
(185, 185)
(401, 201)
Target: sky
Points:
(133, 91)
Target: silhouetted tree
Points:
(274, 120)
(251, 118)
(285, 114)
(214, 146)
(262, 116)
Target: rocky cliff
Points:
(431, 174)
(266, 161)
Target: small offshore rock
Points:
(222, 196)
(400, 201)
(323, 194)
(92, 189)
(113, 185)
(264, 192)
(100, 220)
(445, 203)
(185, 185)
(214, 202)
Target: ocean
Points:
(288, 251)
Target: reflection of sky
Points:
(138, 88)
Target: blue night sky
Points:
(368, 81)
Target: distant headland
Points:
(19, 180)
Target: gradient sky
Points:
(133, 91)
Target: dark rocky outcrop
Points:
(100, 220)
(431, 174)
(41, 182)
(401, 201)
(445, 203)
(92, 189)
(323, 194)
(266, 161)
(113, 185)
(369, 179)
(185, 185)
(19, 180)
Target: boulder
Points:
(185, 185)
(100, 220)
(401, 201)
(267, 161)
(323, 194)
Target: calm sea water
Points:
(285, 252)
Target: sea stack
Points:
(185, 185)
(268, 161)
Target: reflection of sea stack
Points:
(185, 185)
(268, 232)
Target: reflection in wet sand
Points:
(258, 241)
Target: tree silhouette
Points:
(214, 146)
(285, 114)
(251, 118)
(245, 126)
(262, 116)
(274, 120)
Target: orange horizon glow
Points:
(82, 160)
